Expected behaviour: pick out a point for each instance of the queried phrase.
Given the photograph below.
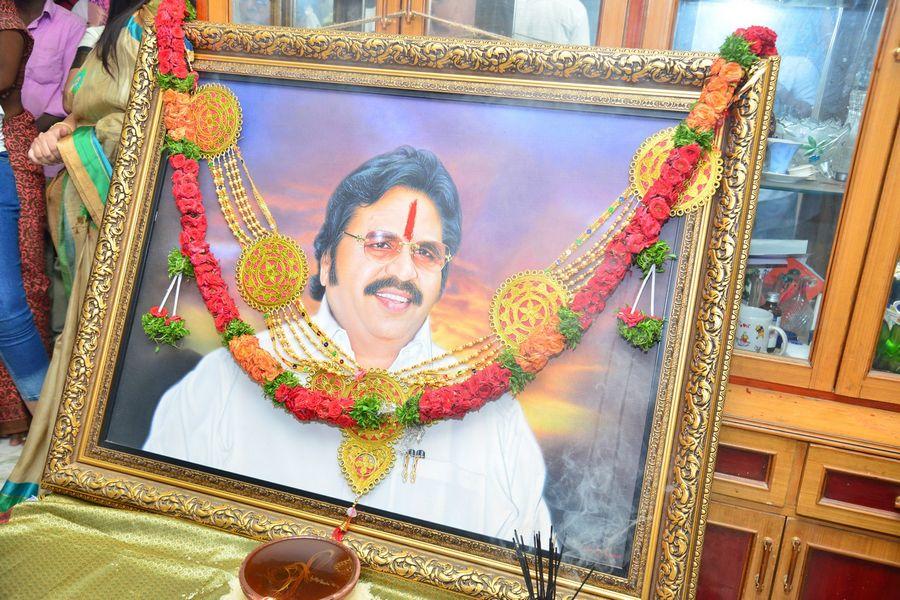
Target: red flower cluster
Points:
(213, 289)
(309, 405)
(170, 38)
(761, 40)
(454, 401)
(630, 318)
(163, 313)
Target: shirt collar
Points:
(419, 347)
(50, 9)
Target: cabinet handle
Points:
(760, 578)
(795, 554)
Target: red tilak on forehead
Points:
(410, 221)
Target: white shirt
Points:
(482, 474)
(554, 21)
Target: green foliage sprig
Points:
(179, 264)
(408, 412)
(189, 149)
(654, 256)
(644, 335)
(170, 82)
(570, 326)
(162, 330)
(685, 136)
(365, 411)
(288, 378)
(518, 378)
(737, 49)
(236, 328)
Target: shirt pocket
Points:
(45, 66)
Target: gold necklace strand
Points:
(260, 201)
(463, 356)
(584, 266)
(307, 362)
(446, 355)
(298, 333)
(280, 345)
(327, 346)
(591, 254)
(225, 204)
(240, 194)
(589, 232)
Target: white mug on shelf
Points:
(755, 326)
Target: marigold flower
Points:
(258, 363)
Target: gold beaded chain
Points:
(225, 204)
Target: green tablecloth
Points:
(60, 547)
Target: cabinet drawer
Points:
(754, 466)
(850, 488)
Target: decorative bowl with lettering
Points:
(300, 568)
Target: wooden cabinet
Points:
(793, 517)
(740, 549)
(818, 562)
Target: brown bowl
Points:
(301, 568)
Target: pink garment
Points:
(56, 34)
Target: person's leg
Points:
(21, 348)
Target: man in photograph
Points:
(384, 252)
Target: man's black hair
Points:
(419, 170)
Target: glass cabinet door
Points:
(827, 48)
(304, 13)
(553, 21)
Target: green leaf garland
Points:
(179, 264)
(737, 49)
(685, 136)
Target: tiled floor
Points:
(8, 457)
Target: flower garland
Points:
(511, 372)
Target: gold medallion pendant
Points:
(218, 118)
(647, 164)
(271, 272)
(366, 456)
(525, 303)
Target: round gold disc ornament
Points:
(524, 303)
(218, 119)
(647, 164)
(271, 272)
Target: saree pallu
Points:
(75, 203)
(18, 133)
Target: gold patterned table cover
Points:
(60, 547)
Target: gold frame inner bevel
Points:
(668, 537)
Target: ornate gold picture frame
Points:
(660, 556)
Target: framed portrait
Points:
(431, 186)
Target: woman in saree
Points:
(86, 144)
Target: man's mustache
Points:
(415, 294)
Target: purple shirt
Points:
(56, 35)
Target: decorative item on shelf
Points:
(159, 326)
(300, 568)
(535, 315)
(541, 574)
(887, 350)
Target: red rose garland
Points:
(694, 135)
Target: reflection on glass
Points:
(827, 50)
(554, 21)
(304, 13)
(887, 348)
